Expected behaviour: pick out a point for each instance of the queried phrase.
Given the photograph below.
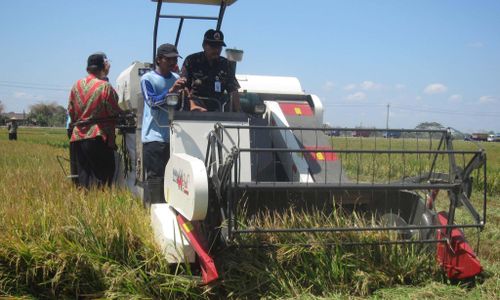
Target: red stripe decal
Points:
(296, 109)
(317, 154)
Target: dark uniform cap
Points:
(167, 50)
(214, 37)
(97, 59)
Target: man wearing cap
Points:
(93, 108)
(208, 75)
(155, 86)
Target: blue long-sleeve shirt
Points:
(154, 89)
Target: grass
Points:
(60, 242)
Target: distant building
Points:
(21, 118)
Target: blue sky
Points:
(430, 60)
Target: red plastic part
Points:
(431, 197)
(456, 257)
(318, 155)
(208, 270)
(296, 108)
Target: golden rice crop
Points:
(57, 241)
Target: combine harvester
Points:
(226, 167)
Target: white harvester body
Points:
(185, 182)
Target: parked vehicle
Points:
(392, 134)
(493, 137)
(361, 133)
(479, 136)
(333, 132)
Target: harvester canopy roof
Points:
(205, 2)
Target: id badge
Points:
(217, 86)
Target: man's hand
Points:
(178, 85)
(194, 107)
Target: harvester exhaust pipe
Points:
(234, 56)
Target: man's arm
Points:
(188, 84)
(113, 108)
(186, 74)
(150, 97)
(71, 108)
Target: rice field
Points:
(60, 242)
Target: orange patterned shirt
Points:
(93, 103)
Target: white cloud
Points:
(328, 85)
(400, 86)
(455, 98)
(370, 85)
(365, 85)
(350, 87)
(356, 96)
(435, 88)
(487, 99)
(475, 45)
(19, 95)
(22, 96)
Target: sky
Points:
(421, 61)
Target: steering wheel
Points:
(206, 100)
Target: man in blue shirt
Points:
(155, 86)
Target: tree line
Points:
(41, 114)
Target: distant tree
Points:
(47, 114)
(2, 107)
(430, 125)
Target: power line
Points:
(31, 83)
(40, 86)
(449, 112)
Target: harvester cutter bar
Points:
(305, 128)
(305, 186)
(360, 151)
(354, 229)
(378, 243)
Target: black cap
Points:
(97, 59)
(214, 37)
(167, 50)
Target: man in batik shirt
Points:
(93, 109)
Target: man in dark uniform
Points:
(208, 75)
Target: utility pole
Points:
(387, 118)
